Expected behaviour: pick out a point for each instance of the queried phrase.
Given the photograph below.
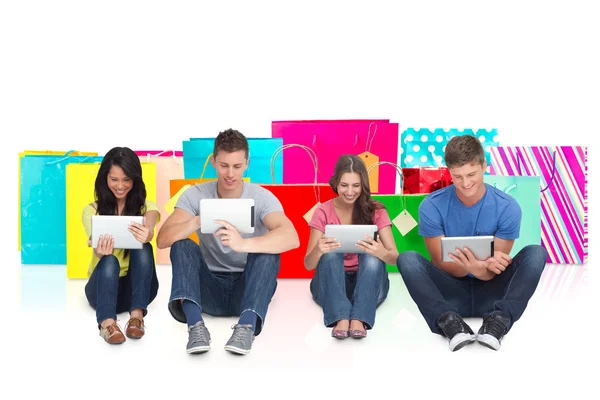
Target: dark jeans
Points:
(436, 292)
(349, 295)
(110, 294)
(221, 294)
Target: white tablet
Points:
(238, 212)
(482, 247)
(117, 227)
(349, 235)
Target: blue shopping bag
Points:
(196, 150)
(43, 207)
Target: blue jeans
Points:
(110, 294)
(349, 295)
(221, 293)
(436, 292)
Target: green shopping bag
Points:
(399, 208)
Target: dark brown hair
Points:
(230, 141)
(364, 206)
(462, 150)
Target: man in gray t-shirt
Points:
(218, 257)
(228, 273)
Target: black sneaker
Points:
(493, 329)
(456, 330)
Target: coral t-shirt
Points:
(325, 215)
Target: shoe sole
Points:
(134, 337)
(462, 339)
(340, 337)
(237, 350)
(198, 349)
(357, 336)
(488, 341)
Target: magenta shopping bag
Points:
(377, 139)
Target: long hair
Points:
(364, 206)
(125, 158)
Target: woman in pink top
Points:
(349, 287)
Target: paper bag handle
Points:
(313, 157)
(519, 157)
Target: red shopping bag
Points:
(299, 202)
(425, 179)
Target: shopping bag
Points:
(373, 141)
(526, 190)
(425, 179)
(403, 211)
(425, 148)
(42, 207)
(299, 202)
(80, 179)
(196, 150)
(169, 165)
(564, 197)
(40, 152)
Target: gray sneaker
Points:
(241, 339)
(199, 339)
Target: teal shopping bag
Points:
(196, 150)
(43, 207)
(425, 147)
(526, 190)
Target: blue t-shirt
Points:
(495, 214)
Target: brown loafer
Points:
(135, 328)
(112, 334)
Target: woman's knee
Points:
(371, 263)
(331, 260)
(108, 267)
(143, 258)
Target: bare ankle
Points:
(342, 324)
(137, 313)
(107, 322)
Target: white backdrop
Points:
(149, 74)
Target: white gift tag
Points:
(405, 222)
(310, 212)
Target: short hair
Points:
(462, 150)
(230, 141)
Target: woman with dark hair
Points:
(121, 280)
(349, 287)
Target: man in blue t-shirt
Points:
(496, 289)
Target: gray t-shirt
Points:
(221, 258)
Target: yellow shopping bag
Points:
(80, 193)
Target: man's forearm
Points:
(277, 241)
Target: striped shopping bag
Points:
(563, 173)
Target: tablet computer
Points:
(117, 227)
(482, 247)
(349, 235)
(238, 212)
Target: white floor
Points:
(55, 334)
